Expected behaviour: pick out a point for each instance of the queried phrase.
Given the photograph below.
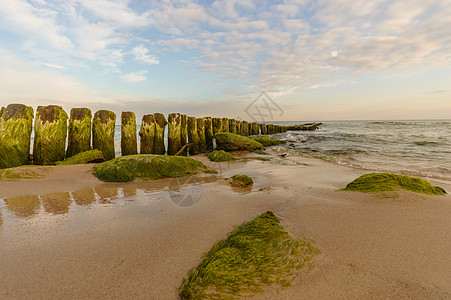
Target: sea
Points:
(414, 147)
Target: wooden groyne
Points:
(186, 134)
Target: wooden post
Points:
(129, 142)
(209, 135)
(79, 139)
(245, 128)
(263, 129)
(103, 127)
(193, 137)
(16, 122)
(160, 125)
(201, 135)
(50, 132)
(174, 135)
(217, 125)
(147, 134)
(238, 127)
(184, 133)
(225, 125)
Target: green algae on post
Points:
(209, 135)
(232, 142)
(193, 136)
(160, 125)
(50, 132)
(129, 141)
(221, 155)
(174, 133)
(147, 166)
(183, 134)
(79, 139)
(267, 141)
(241, 181)
(385, 182)
(256, 254)
(16, 123)
(225, 124)
(217, 125)
(263, 129)
(83, 158)
(147, 134)
(103, 126)
(245, 129)
(201, 135)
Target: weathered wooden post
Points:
(174, 135)
(263, 129)
(232, 126)
(147, 134)
(209, 132)
(217, 125)
(50, 132)
(103, 127)
(238, 127)
(79, 139)
(129, 142)
(250, 129)
(256, 128)
(193, 137)
(184, 133)
(201, 135)
(160, 125)
(16, 123)
(245, 128)
(225, 124)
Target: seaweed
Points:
(241, 181)
(83, 158)
(103, 127)
(221, 155)
(232, 142)
(79, 138)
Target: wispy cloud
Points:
(140, 53)
(135, 77)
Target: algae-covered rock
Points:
(209, 135)
(79, 139)
(83, 158)
(241, 181)
(267, 141)
(129, 141)
(16, 123)
(50, 132)
(220, 155)
(147, 166)
(383, 182)
(103, 127)
(231, 142)
(147, 134)
(193, 137)
(174, 133)
(254, 255)
(217, 125)
(201, 135)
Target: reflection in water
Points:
(84, 197)
(25, 206)
(107, 192)
(56, 203)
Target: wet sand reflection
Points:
(23, 207)
(56, 203)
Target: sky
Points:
(247, 59)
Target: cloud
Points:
(135, 77)
(140, 53)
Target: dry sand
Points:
(138, 240)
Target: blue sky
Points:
(318, 60)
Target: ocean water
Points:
(417, 148)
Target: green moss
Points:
(384, 182)
(260, 158)
(147, 166)
(217, 125)
(129, 141)
(256, 254)
(174, 133)
(231, 142)
(267, 141)
(245, 128)
(83, 158)
(79, 139)
(221, 155)
(103, 127)
(225, 124)
(15, 132)
(19, 173)
(50, 132)
(242, 181)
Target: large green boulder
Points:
(232, 142)
(147, 166)
(221, 155)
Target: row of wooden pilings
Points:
(51, 131)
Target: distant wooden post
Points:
(16, 123)
(174, 135)
(147, 134)
(209, 135)
(250, 130)
(103, 127)
(232, 125)
(217, 125)
(225, 125)
(79, 139)
(263, 128)
(184, 133)
(160, 125)
(193, 137)
(255, 128)
(238, 127)
(245, 128)
(201, 135)
(129, 142)
(50, 132)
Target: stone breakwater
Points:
(52, 127)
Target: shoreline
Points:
(142, 244)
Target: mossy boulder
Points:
(50, 132)
(220, 155)
(232, 142)
(254, 255)
(103, 127)
(147, 166)
(241, 181)
(15, 132)
(384, 182)
(83, 158)
(267, 141)
(79, 139)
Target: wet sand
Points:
(83, 239)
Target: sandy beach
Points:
(69, 236)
